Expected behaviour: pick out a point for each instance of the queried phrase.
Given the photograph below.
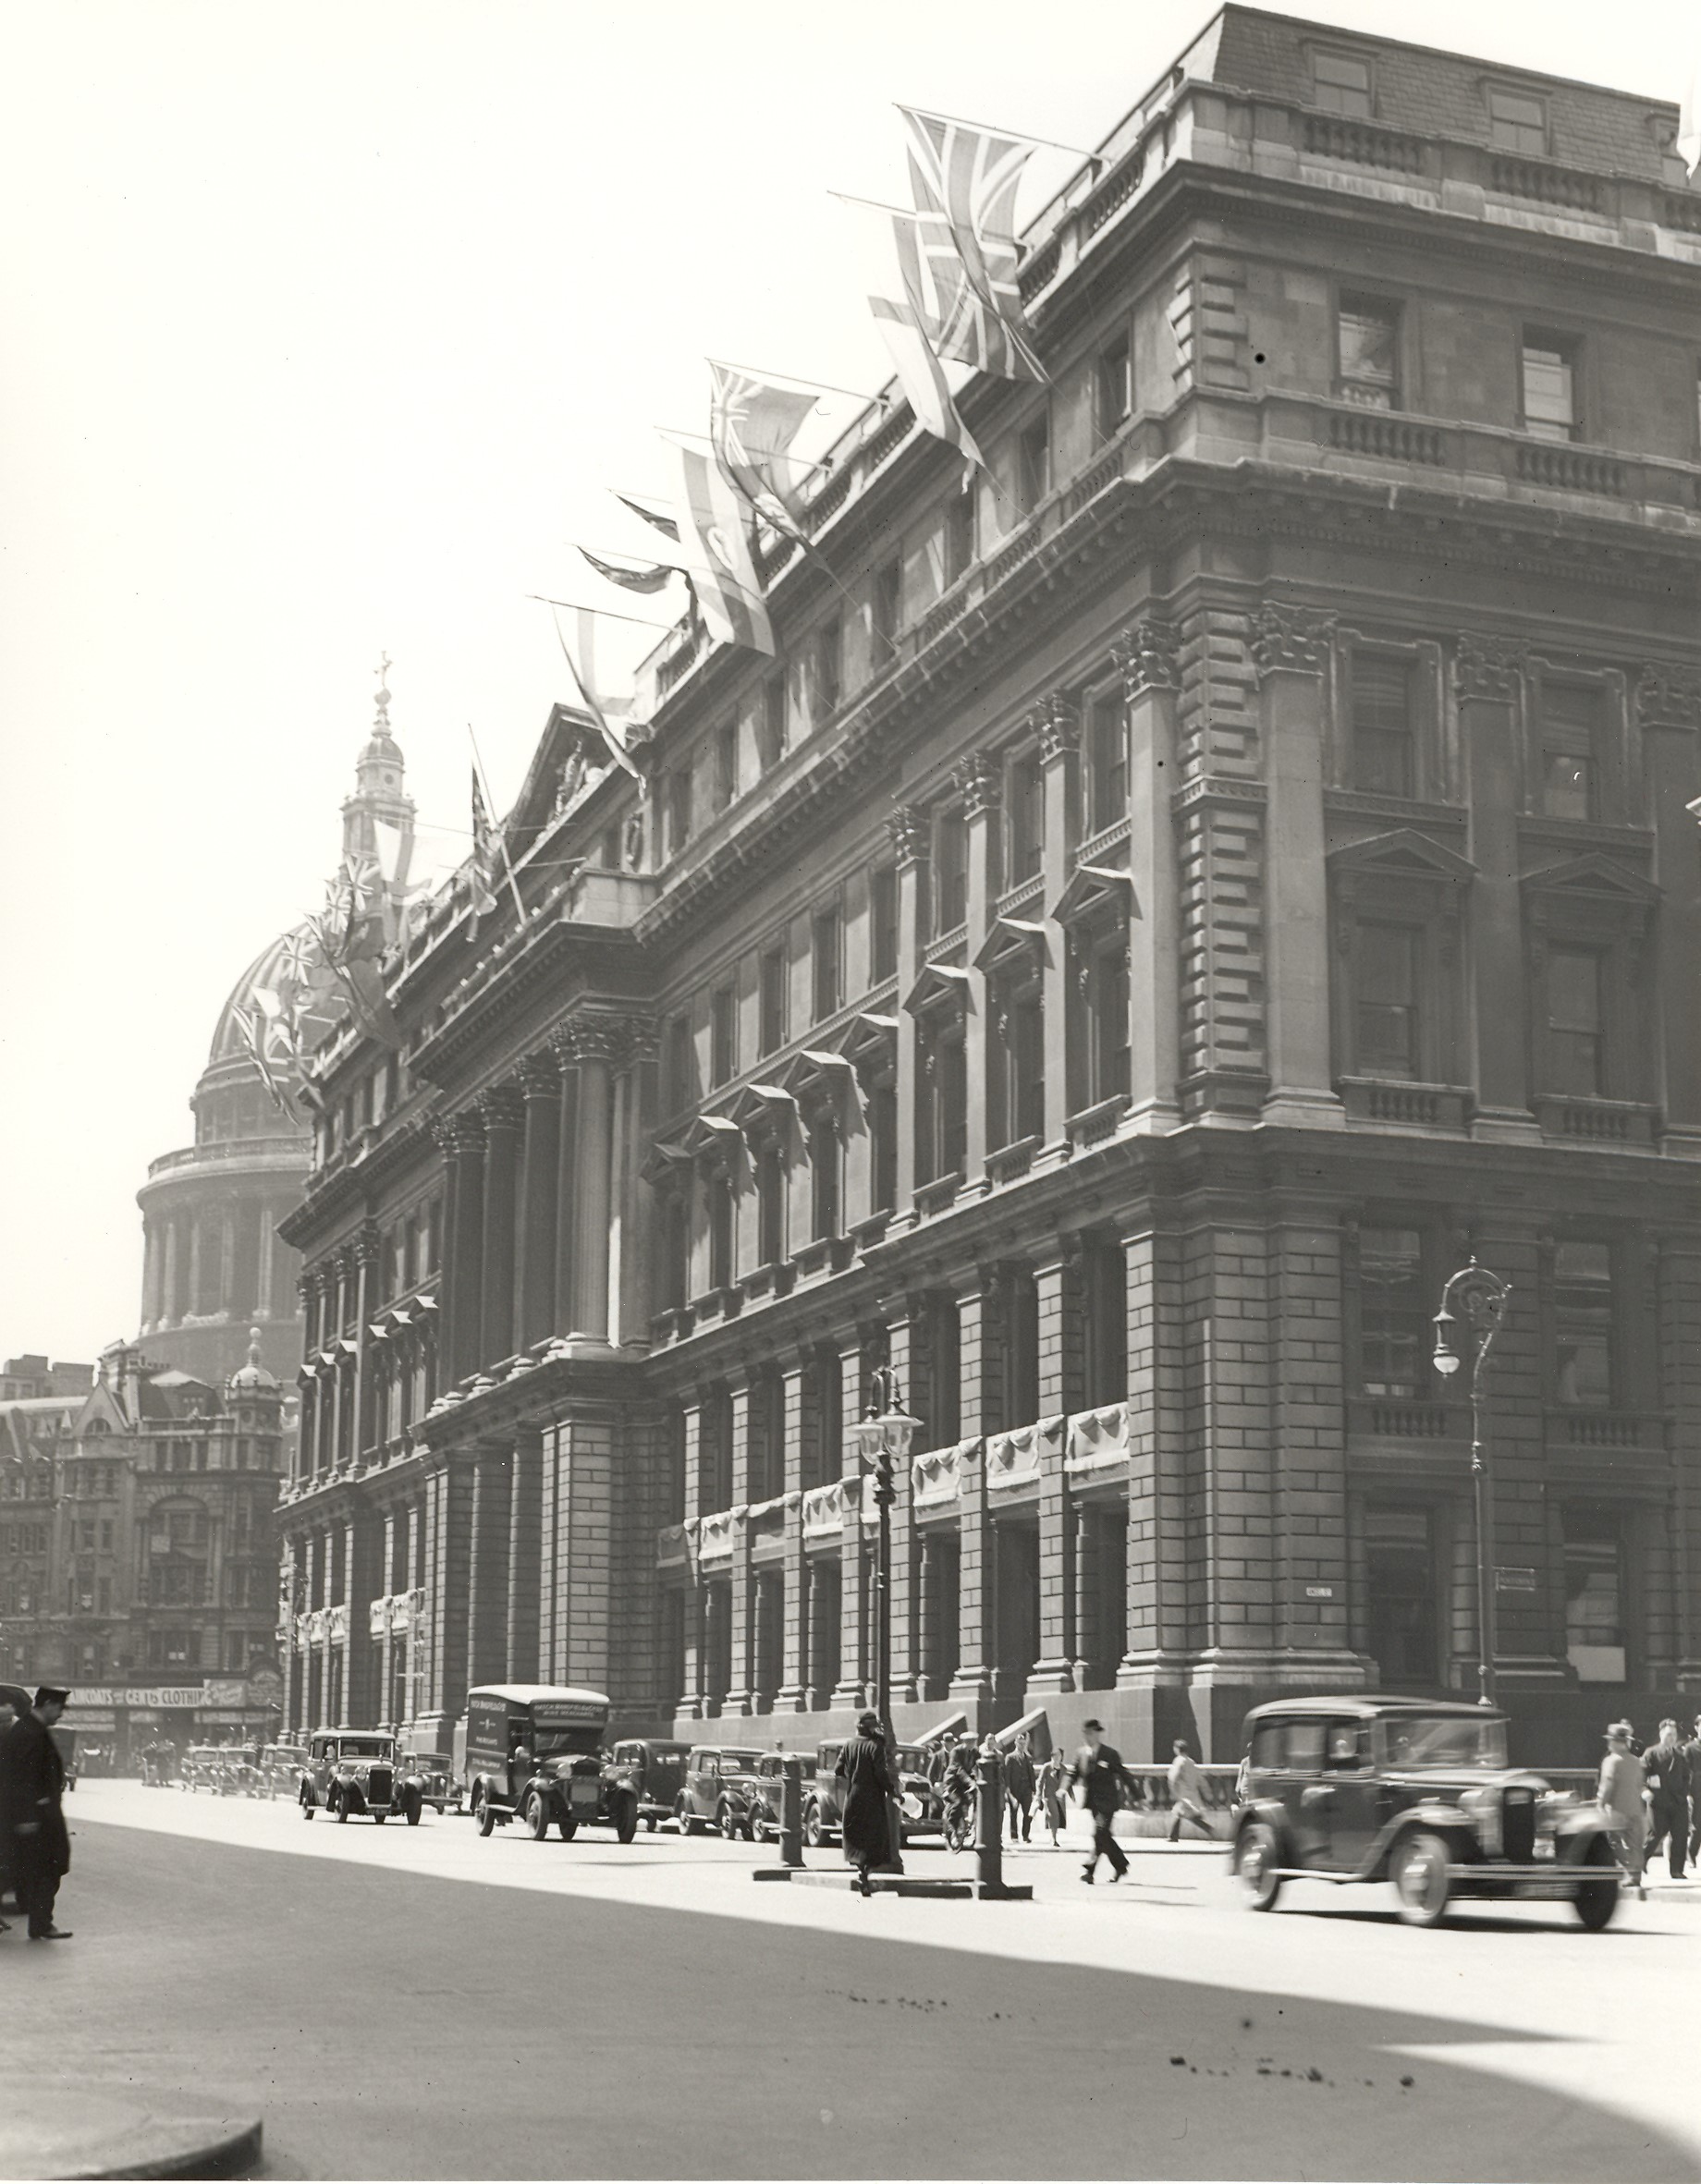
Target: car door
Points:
(1297, 1782)
(1349, 1793)
(702, 1784)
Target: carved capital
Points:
(1488, 669)
(1057, 724)
(1149, 655)
(540, 1077)
(1669, 698)
(592, 1038)
(502, 1108)
(367, 1245)
(461, 1133)
(978, 779)
(907, 828)
(1294, 640)
(642, 1037)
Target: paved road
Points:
(420, 2003)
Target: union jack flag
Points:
(964, 182)
(752, 425)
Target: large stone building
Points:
(1218, 873)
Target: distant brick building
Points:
(1215, 875)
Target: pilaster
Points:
(909, 832)
(1058, 724)
(1488, 685)
(1149, 657)
(540, 1088)
(978, 779)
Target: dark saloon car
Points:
(719, 1792)
(655, 1768)
(535, 1753)
(824, 1794)
(770, 1784)
(1414, 1792)
(439, 1786)
(352, 1775)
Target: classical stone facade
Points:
(1223, 869)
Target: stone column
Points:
(540, 1088)
(909, 830)
(367, 1429)
(267, 1253)
(929, 1684)
(226, 1301)
(583, 1571)
(366, 1704)
(741, 1680)
(502, 1110)
(1058, 1282)
(632, 1280)
(1060, 737)
(1088, 1579)
(149, 1273)
(801, 1427)
(567, 1182)
(980, 1340)
(448, 1583)
(525, 1558)
(1290, 651)
(906, 1361)
(389, 1583)
(1488, 682)
(463, 1141)
(596, 1043)
(1151, 684)
(487, 1587)
(194, 1303)
(853, 1556)
(979, 780)
(822, 1577)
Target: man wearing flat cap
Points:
(32, 1813)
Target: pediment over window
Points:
(714, 1141)
(668, 1159)
(1010, 939)
(1600, 878)
(1094, 890)
(763, 1112)
(939, 983)
(1405, 854)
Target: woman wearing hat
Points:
(868, 1784)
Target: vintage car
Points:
(207, 1766)
(824, 1794)
(280, 1769)
(719, 1792)
(1414, 1792)
(770, 1783)
(440, 1786)
(654, 1766)
(535, 1753)
(352, 1773)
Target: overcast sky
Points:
(325, 328)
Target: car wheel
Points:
(537, 1816)
(686, 1820)
(486, 1819)
(307, 1806)
(626, 1819)
(1254, 1866)
(1418, 1869)
(1597, 1898)
(811, 1824)
(341, 1809)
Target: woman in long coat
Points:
(868, 1784)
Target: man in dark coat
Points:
(1666, 1772)
(1692, 1754)
(864, 1825)
(32, 1812)
(1099, 1774)
(1019, 1785)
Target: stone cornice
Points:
(1669, 697)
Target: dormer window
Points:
(1517, 122)
(1340, 84)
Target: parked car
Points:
(353, 1773)
(205, 1767)
(770, 1783)
(655, 1767)
(281, 1767)
(824, 1796)
(534, 1752)
(440, 1786)
(719, 1792)
(1417, 1792)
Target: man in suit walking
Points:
(1666, 1772)
(32, 1812)
(1101, 1778)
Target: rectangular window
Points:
(959, 537)
(1034, 463)
(1340, 84)
(1549, 388)
(1394, 1327)
(826, 1157)
(723, 1035)
(1401, 1594)
(1368, 335)
(1570, 751)
(1385, 999)
(1595, 1634)
(886, 608)
(678, 809)
(950, 873)
(1108, 1006)
(1517, 122)
(1114, 387)
(679, 1067)
(1107, 763)
(726, 765)
(883, 922)
(826, 664)
(1025, 817)
(772, 998)
(882, 1145)
(1583, 1325)
(770, 1205)
(771, 724)
(1383, 745)
(721, 1232)
(1576, 1042)
(827, 956)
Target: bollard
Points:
(791, 1811)
(989, 1820)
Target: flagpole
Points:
(992, 130)
(820, 387)
(677, 433)
(637, 621)
(519, 907)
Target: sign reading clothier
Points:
(163, 1698)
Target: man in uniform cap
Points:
(1099, 1772)
(31, 1810)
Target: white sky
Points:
(325, 328)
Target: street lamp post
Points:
(884, 1437)
(1480, 1297)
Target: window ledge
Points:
(1009, 1162)
(1595, 1122)
(1405, 1102)
(932, 1198)
(772, 1278)
(1643, 1431)
(1094, 1124)
(715, 1304)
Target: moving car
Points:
(280, 1769)
(1414, 1792)
(534, 1752)
(719, 1792)
(655, 1767)
(440, 1786)
(353, 1773)
(207, 1766)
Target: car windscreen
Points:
(1445, 1741)
(551, 1740)
(365, 1748)
(738, 1762)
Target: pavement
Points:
(423, 2003)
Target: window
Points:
(676, 1250)
(951, 871)
(1024, 819)
(1034, 463)
(770, 1205)
(721, 1232)
(1402, 1625)
(1570, 751)
(771, 999)
(883, 922)
(723, 1035)
(886, 608)
(1384, 752)
(1595, 1618)
(1114, 387)
(1394, 1313)
(1107, 763)
(726, 765)
(1549, 388)
(1340, 84)
(882, 1120)
(826, 1164)
(1018, 1065)
(943, 1393)
(771, 721)
(679, 808)
(1104, 1287)
(951, 1113)
(960, 536)
(827, 956)
(1576, 1018)
(1386, 1000)
(1517, 122)
(678, 1065)
(1583, 1325)
(826, 670)
(1368, 337)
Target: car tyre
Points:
(626, 1819)
(1598, 1899)
(341, 1809)
(486, 1819)
(686, 1820)
(1256, 1853)
(1418, 1869)
(726, 1821)
(307, 1805)
(537, 1816)
(811, 1824)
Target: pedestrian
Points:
(32, 1812)
(1019, 1787)
(1692, 1754)
(1101, 1778)
(1186, 1792)
(865, 1827)
(1053, 1791)
(1666, 1773)
(1622, 1791)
